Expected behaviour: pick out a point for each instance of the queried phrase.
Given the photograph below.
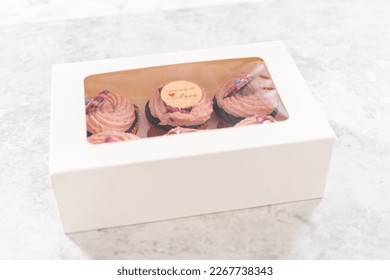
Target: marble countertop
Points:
(342, 49)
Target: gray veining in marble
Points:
(342, 49)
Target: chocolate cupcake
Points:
(111, 136)
(109, 111)
(244, 96)
(178, 103)
(258, 119)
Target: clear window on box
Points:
(180, 98)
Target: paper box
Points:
(159, 178)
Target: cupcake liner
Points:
(135, 126)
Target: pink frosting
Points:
(114, 113)
(111, 136)
(259, 96)
(199, 114)
(258, 119)
(180, 130)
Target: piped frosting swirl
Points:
(247, 95)
(111, 111)
(257, 119)
(111, 136)
(180, 130)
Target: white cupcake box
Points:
(123, 183)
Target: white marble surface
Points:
(343, 51)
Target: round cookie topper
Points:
(181, 94)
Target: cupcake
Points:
(178, 103)
(109, 111)
(257, 119)
(180, 130)
(245, 96)
(111, 136)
